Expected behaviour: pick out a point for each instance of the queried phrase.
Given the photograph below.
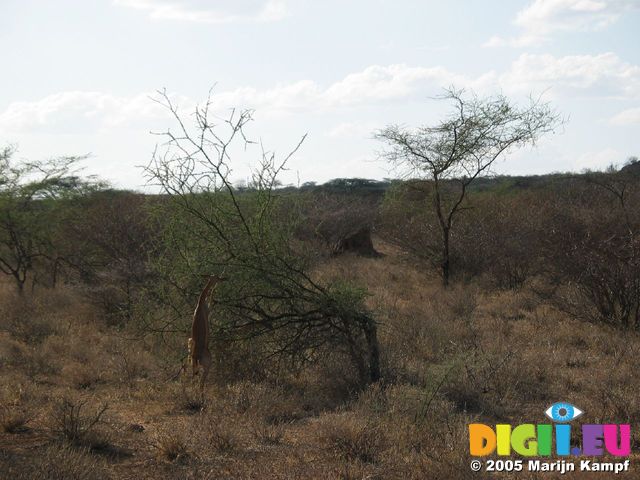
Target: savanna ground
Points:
(85, 399)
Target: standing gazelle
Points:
(198, 344)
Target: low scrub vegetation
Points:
(327, 362)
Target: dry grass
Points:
(189, 399)
(220, 436)
(449, 358)
(267, 433)
(54, 462)
(74, 422)
(172, 445)
(14, 419)
(353, 438)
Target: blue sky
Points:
(77, 75)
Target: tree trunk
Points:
(373, 349)
(445, 256)
(355, 351)
(366, 358)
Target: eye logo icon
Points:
(563, 412)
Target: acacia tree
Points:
(29, 195)
(449, 156)
(248, 236)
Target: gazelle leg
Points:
(206, 366)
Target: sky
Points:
(80, 77)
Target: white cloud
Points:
(288, 98)
(85, 111)
(542, 18)
(80, 111)
(201, 12)
(604, 75)
(387, 83)
(630, 116)
(373, 85)
(547, 16)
